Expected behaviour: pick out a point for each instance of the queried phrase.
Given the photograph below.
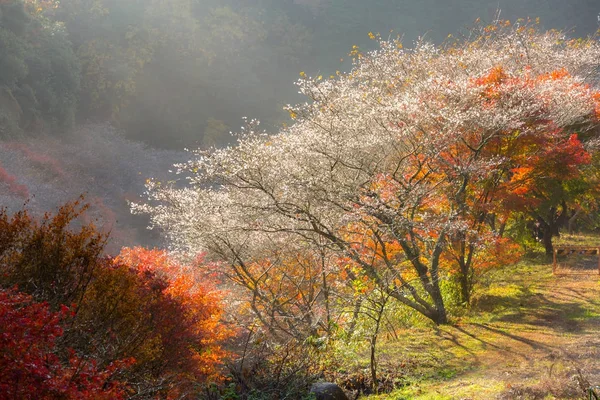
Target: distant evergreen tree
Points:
(39, 73)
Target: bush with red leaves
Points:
(72, 317)
(31, 365)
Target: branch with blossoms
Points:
(424, 150)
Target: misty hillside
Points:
(183, 74)
(93, 160)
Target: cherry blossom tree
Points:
(394, 164)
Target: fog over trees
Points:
(185, 73)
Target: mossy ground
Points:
(528, 335)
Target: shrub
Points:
(31, 364)
(124, 309)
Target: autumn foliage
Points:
(32, 368)
(41, 161)
(79, 324)
(9, 182)
(194, 329)
(411, 168)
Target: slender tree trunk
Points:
(465, 285)
(355, 312)
(465, 259)
(435, 292)
(326, 298)
(373, 363)
(502, 228)
(379, 309)
(571, 222)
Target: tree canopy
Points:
(405, 168)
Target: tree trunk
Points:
(326, 298)
(551, 226)
(547, 241)
(571, 222)
(354, 320)
(373, 363)
(465, 287)
(502, 228)
(439, 316)
(379, 309)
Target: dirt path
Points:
(544, 344)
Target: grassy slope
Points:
(530, 335)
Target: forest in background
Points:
(184, 73)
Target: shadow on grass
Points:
(539, 309)
(531, 343)
(515, 318)
(450, 336)
(485, 343)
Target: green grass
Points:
(591, 240)
(522, 319)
